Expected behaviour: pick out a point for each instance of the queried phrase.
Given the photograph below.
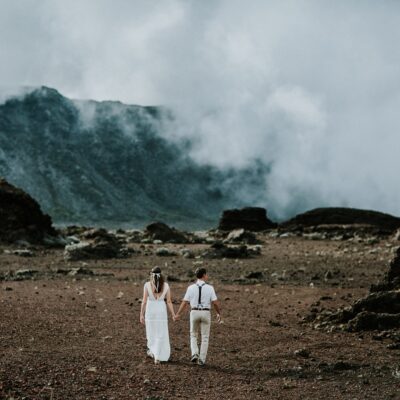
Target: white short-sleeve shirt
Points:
(207, 295)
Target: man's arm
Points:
(183, 305)
(217, 308)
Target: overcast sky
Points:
(310, 87)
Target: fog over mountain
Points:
(309, 90)
(106, 163)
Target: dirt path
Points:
(67, 338)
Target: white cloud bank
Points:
(311, 88)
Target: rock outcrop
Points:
(21, 217)
(337, 216)
(391, 280)
(379, 310)
(249, 218)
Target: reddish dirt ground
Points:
(67, 337)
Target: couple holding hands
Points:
(153, 313)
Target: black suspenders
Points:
(199, 302)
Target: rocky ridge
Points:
(110, 164)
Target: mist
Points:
(310, 89)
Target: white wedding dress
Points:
(156, 319)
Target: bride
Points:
(153, 313)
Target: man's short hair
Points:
(200, 272)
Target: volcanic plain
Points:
(70, 329)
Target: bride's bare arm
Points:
(169, 303)
(183, 305)
(143, 306)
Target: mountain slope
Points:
(106, 163)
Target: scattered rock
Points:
(134, 236)
(99, 244)
(78, 271)
(283, 235)
(72, 240)
(74, 230)
(315, 236)
(98, 234)
(276, 324)
(55, 241)
(186, 253)
(165, 252)
(328, 275)
(393, 346)
(255, 250)
(241, 236)
(302, 353)
(219, 250)
(340, 366)
(161, 231)
(255, 275)
(23, 253)
(25, 273)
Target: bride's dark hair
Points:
(157, 279)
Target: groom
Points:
(200, 296)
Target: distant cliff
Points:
(93, 162)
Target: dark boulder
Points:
(255, 275)
(380, 302)
(393, 273)
(344, 216)
(379, 310)
(391, 280)
(249, 218)
(21, 217)
(366, 321)
(161, 231)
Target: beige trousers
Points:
(200, 322)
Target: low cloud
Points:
(309, 88)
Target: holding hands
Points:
(176, 317)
